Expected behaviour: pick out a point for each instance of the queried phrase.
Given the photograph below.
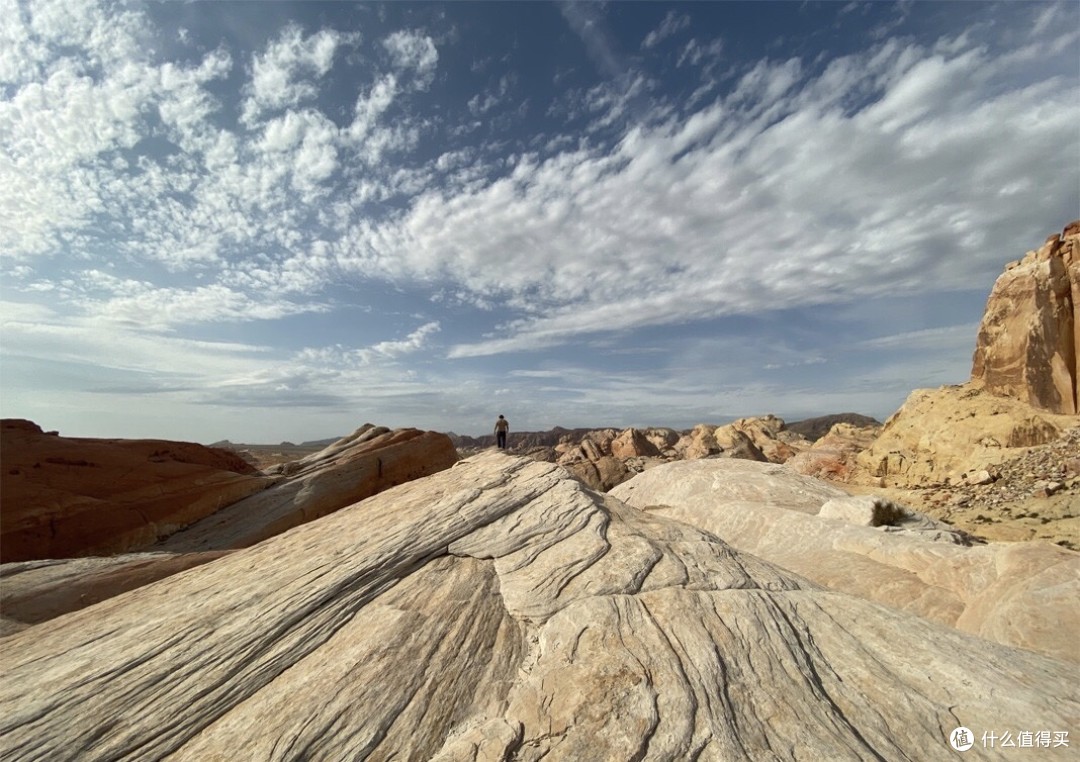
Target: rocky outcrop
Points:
(1029, 339)
(814, 429)
(939, 434)
(37, 591)
(62, 496)
(1032, 494)
(834, 455)
(633, 444)
(499, 610)
(602, 458)
(760, 438)
(368, 461)
(1021, 595)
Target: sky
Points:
(268, 221)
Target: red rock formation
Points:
(1029, 340)
(62, 497)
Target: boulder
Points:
(699, 442)
(368, 461)
(1029, 339)
(770, 436)
(863, 510)
(499, 610)
(736, 443)
(601, 474)
(62, 497)
(761, 438)
(633, 444)
(1018, 594)
(662, 439)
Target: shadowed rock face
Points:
(1029, 339)
(37, 591)
(1018, 594)
(62, 497)
(500, 610)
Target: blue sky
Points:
(268, 221)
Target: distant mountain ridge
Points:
(815, 428)
(310, 443)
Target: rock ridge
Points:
(501, 610)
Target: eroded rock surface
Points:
(1029, 339)
(500, 610)
(939, 434)
(834, 455)
(36, 591)
(63, 496)
(368, 461)
(1021, 595)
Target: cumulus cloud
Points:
(285, 74)
(413, 52)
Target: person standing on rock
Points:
(501, 427)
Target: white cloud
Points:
(481, 103)
(415, 341)
(413, 52)
(955, 338)
(774, 197)
(107, 299)
(694, 53)
(41, 332)
(586, 20)
(285, 74)
(672, 24)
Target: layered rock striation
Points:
(364, 463)
(1021, 595)
(500, 610)
(64, 497)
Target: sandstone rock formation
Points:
(633, 444)
(37, 591)
(602, 458)
(813, 429)
(498, 611)
(1032, 494)
(834, 455)
(940, 433)
(368, 461)
(1021, 595)
(761, 438)
(63, 496)
(1029, 340)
